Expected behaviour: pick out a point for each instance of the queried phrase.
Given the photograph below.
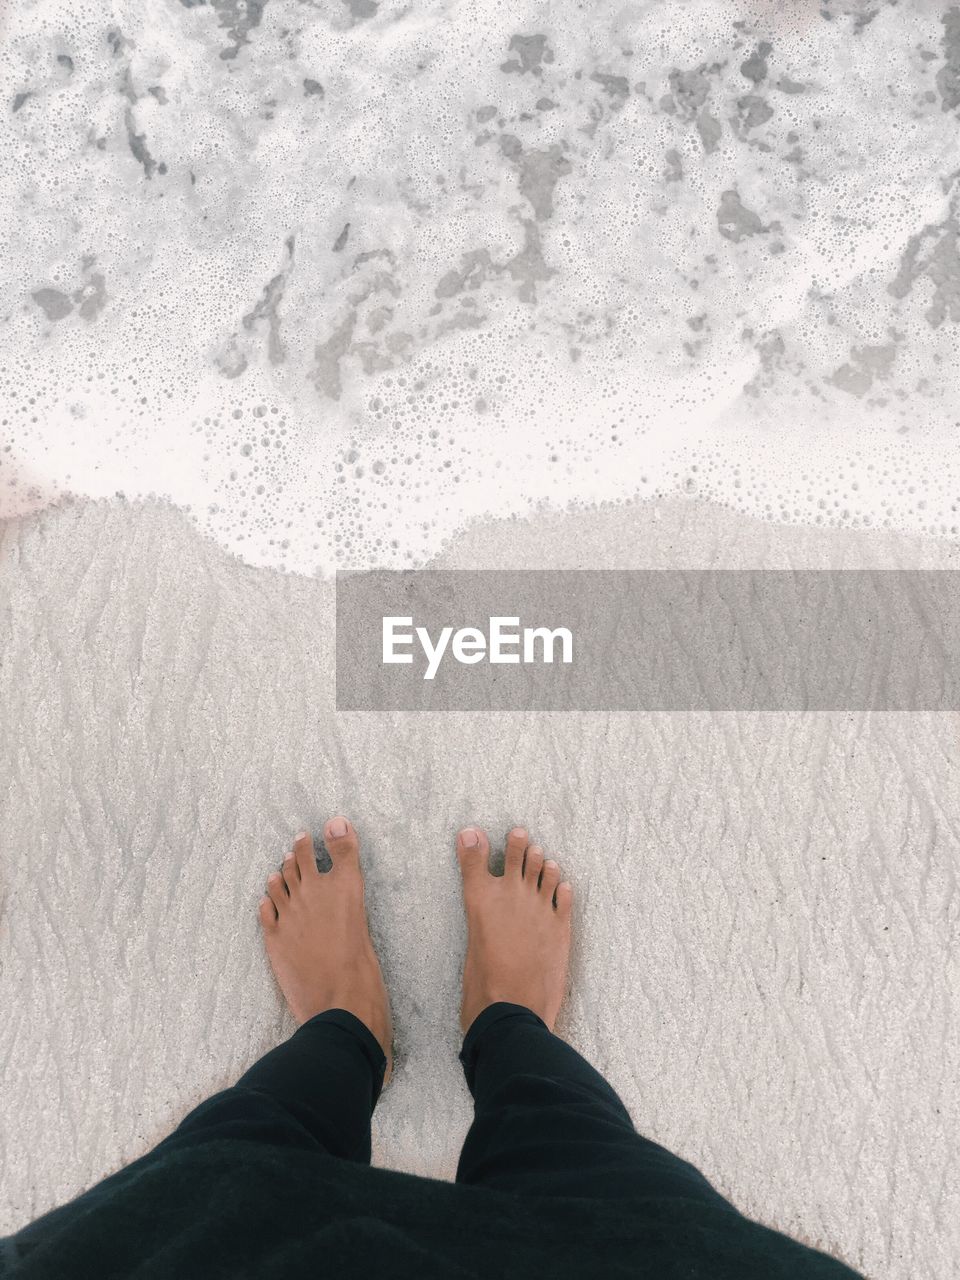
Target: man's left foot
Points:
(315, 929)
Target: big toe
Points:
(342, 841)
(473, 854)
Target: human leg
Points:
(320, 1087)
(545, 1121)
(317, 1089)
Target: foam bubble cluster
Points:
(339, 278)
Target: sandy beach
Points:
(767, 902)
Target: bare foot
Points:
(315, 929)
(518, 927)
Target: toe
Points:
(564, 899)
(550, 878)
(516, 847)
(304, 853)
(533, 865)
(473, 853)
(342, 842)
(291, 873)
(277, 891)
(267, 912)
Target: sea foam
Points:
(340, 278)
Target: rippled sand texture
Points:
(766, 903)
(342, 274)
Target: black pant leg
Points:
(546, 1123)
(317, 1089)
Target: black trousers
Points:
(545, 1121)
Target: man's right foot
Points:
(518, 927)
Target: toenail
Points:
(301, 835)
(469, 837)
(519, 831)
(336, 828)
